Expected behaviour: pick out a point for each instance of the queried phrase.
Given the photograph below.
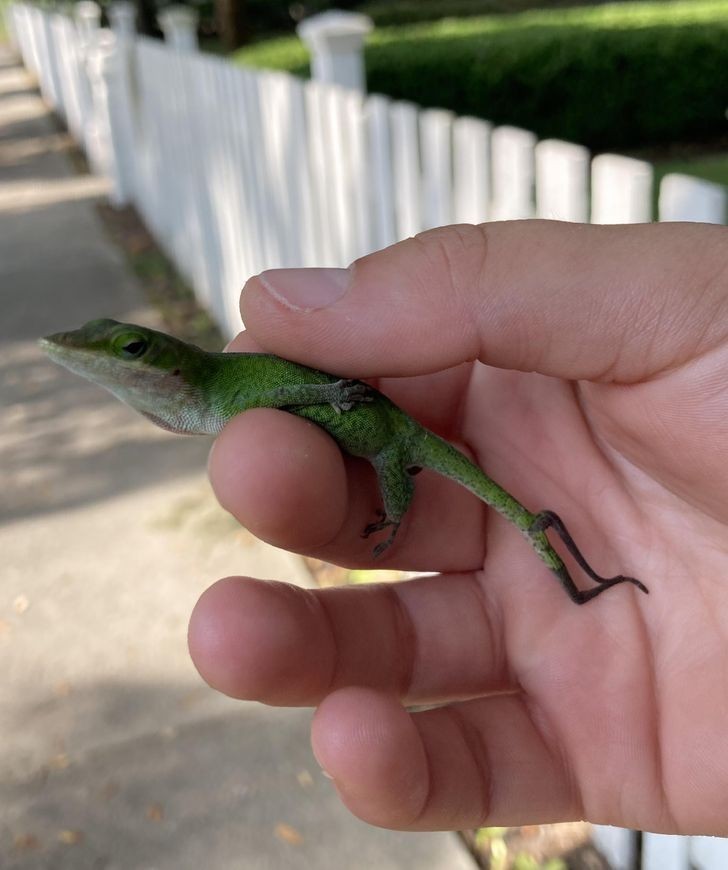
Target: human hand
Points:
(585, 368)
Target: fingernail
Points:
(306, 289)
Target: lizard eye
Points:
(134, 348)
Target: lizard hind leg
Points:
(549, 520)
(396, 488)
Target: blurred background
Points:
(154, 156)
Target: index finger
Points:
(576, 301)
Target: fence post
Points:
(179, 25)
(87, 15)
(104, 147)
(335, 40)
(120, 75)
(122, 15)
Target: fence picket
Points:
(241, 241)
(381, 181)
(203, 257)
(437, 173)
(69, 74)
(322, 212)
(287, 135)
(562, 181)
(513, 173)
(338, 159)
(250, 190)
(471, 170)
(406, 161)
(685, 198)
(621, 190)
(358, 170)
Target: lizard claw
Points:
(380, 524)
(351, 393)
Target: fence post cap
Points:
(87, 10)
(178, 16)
(121, 9)
(122, 15)
(335, 25)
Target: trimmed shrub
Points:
(613, 76)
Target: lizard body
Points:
(190, 391)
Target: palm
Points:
(619, 685)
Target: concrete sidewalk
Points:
(114, 753)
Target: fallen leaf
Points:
(71, 838)
(155, 812)
(109, 790)
(305, 780)
(21, 603)
(26, 842)
(288, 834)
(62, 689)
(59, 762)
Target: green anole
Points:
(187, 390)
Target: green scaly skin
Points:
(187, 390)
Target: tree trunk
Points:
(232, 24)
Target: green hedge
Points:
(386, 13)
(613, 76)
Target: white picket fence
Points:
(238, 170)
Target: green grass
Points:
(4, 35)
(281, 52)
(711, 167)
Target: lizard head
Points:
(156, 374)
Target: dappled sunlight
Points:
(65, 442)
(249, 793)
(17, 151)
(18, 196)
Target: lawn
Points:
(711, 167)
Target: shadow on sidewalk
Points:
(236, 790)
(67, 443)
(164, 788)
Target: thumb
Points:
(577, 301)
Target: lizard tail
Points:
(439, 455)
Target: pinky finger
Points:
(461, 766)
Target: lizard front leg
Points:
(342, 395)
(396, 488)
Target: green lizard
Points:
(187, 390)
